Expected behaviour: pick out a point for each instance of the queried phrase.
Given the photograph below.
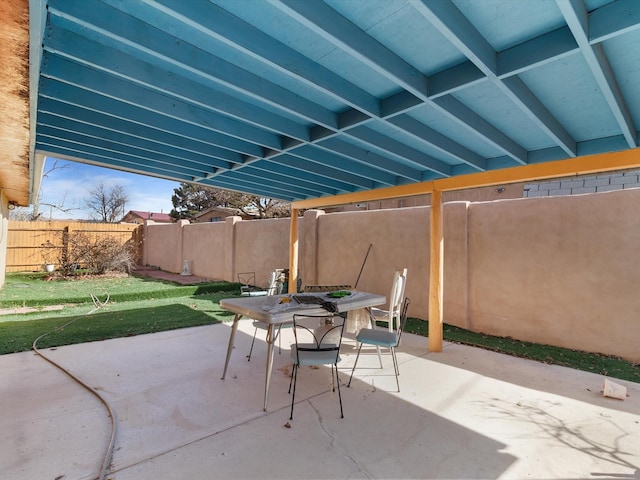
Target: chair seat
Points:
(315, 345)
(383, 337)
(259, 293)
(313, 357)
(379, 313)
(380, 337)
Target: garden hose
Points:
(109, 452)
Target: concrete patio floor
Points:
(462, 413)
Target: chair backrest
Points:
(272, 288)
(403, 316)
(318, 338)
(247, 281)
(277, 279)
(274, 283)
(395, 298)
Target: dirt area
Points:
(171, 277)
(13, 311)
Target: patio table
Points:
(270, 310)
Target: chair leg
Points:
(333, 383)
(373, 323)
(354, 365)
(395, 367)
(252, 342)
(293, 397)
(293, 372)
(339, 394)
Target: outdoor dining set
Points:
(318, 317)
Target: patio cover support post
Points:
(436, 261)
(293, 252)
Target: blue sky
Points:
(69, 186)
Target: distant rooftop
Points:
(137, 216)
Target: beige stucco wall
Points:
(205, 246)
(558, 270)
(261, 247)
(399, 239)
(162, 245)
(456, 251)
(219, 250)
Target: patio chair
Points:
(274, 288)
(395, 301)
(317, 342)
(384, 338)
(247, 282)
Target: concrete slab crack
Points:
(332, 442)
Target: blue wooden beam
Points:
(329, 24)
(218, 157)
(114, 62)
(456, 28)
(68, 94)
(202, 16)
(159, 150)
(577, 19)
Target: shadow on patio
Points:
(463, 413)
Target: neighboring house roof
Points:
(222, 212)
(137, 216)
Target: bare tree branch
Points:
(107, 204)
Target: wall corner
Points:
(309, 244)
(230, 247)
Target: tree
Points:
(191, 199)
(33, 212)
(107, 204)
(265, 207)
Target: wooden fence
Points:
(31, 245)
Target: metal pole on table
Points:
(355, 287)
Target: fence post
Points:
(137, 236)
(64, 255)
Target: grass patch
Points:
(114, 320)
(33, 290)
(610, 366)
(137, 305)
(142, 305)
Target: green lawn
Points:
(33, 290)
(590, 362)
(142, 305)
(135, 306)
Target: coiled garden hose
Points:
(109, 452)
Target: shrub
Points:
(98, 255)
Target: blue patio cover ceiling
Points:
(298, 99)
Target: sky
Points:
(69, 186)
